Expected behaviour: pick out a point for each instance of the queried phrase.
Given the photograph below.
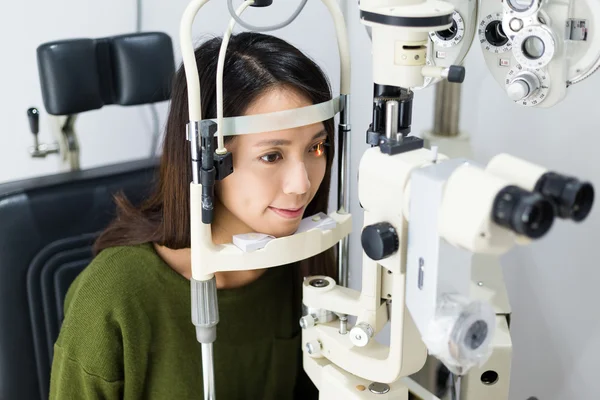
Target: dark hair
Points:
(254, 63)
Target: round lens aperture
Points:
(448, 34)
(495, 34)
(533, 47)
(520, 5)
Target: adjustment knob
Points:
(361, 334)
(308, 321)
(522, 86)
(33, 115)
(313, 348)
(379, 240)
(456, 74)
(517, 90)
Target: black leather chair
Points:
(48, 224)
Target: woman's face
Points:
(275, 174)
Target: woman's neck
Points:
(223, 229)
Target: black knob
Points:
(379, 241)
(33, 115)
(262, 3)
(456, 74)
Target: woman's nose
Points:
(296, 179)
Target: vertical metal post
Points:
(343, 186)
(447, 109)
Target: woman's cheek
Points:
(253, 190)
(317, 173)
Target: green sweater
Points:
(127, 334)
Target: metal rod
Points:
(205, 317)
(447, 109)
(208, 372)
(391, 119)
(343, 325)
(193, 130)
(343, 186)
(455, 386)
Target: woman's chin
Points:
(283, 232)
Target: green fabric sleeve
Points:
(72, 381)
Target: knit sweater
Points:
(127, 334)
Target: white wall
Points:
(552, 284)
(107, 135)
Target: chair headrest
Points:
(80, 75)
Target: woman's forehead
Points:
(280, 98)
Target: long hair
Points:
(254, 63)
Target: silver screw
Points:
(379, 388)
(313, 347)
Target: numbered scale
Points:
(452, 36)
(527, 87)
(492, 36)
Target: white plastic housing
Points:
(446, 52)
(499, 362)
(470, 213)
(518, 171)
(466, 222)
(400, 52)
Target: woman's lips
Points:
(288, 212)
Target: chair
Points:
(48, 224)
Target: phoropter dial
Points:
(526, 87)
(534, 46)
(522, 8)
(492, 36)
(452, 36)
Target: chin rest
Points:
(48, 224)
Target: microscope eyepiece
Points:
(526, 213)
(572, 198)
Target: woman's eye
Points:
(271, 157)
(318, 149)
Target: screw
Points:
(313, 347)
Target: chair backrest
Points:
(48, 224)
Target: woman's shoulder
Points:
(114, 271)
(102, 304)
(118, 282)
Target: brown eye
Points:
(318, 149)
(271, 158)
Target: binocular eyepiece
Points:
(532, 213)
(526, 213)
(572, 198)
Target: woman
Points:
(127, 331)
